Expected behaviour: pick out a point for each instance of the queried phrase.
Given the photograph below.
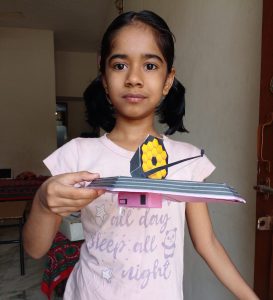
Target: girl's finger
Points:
(70, 192)
(77, 177)
(67, 203)
(64, 210)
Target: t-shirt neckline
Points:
(118, 149)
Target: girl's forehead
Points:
(135, 37)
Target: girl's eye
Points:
(151, 66)
(119, 66)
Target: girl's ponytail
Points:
(99, 111)
(172, 109)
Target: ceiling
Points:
(78, 25)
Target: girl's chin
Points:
(134, 114)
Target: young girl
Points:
(129, 253)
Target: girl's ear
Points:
(169, 82)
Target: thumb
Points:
(79, 178)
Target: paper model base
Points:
(174, 190)
(130, 199)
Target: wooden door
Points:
(263, 277)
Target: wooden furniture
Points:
(13, 214)
(15, 199)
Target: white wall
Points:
(27, 85)
(218, 60)
(28, 95)
(74, 72)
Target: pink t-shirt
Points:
(129, 253)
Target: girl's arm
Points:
(57, 197)
(207, 245)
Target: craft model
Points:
(147, 186)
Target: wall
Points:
(74, 71)
(27, 85)
(218, 60)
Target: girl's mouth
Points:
(133, 98)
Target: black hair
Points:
(171, 111)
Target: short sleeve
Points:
(197, 169)
(64, 159)
(202, 169)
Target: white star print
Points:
(100, 213)
(107, 274)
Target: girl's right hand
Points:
(59, 195)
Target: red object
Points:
(62, 257)
(19, 189)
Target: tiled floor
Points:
(12, 284)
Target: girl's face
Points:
(136, 76)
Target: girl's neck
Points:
(131, 134)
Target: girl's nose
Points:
(134, 77)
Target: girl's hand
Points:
(60, 196)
